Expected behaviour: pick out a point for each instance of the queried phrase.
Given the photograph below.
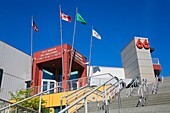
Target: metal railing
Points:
(143, 93)
(72, 85)
(79, 93)
(17, 108)
(39, 94)
(155, 86)
(85, 96)
(74, 94)
(155, 61)
(133, 86)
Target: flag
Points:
(79, 18)
(95, 34)
(34, 26)
(65, 17)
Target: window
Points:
(28, 84)
(47, 75)
(1, 74)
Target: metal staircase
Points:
(110, 89)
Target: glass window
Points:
(48, 75)
(45, 83)
(1, 74)
(52, 86)
(74, 75)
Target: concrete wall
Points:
(137, 62)
(16, 67)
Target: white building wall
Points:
(99, 74)
(16, 67)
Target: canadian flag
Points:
(65, 17)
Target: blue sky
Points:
(117, 21)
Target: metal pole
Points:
(9, 110)
(40, 104)
(85, 105)
(61, 43)
(66, 107)
(61, 104)
(73, 42)
(106, 102)
(90, 59)
(16, 110)
(119, 95)
(31, 35)
(31, 46)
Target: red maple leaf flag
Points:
(34, 26)
(65, 17)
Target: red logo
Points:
(145, 44)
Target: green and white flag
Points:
(79, 18)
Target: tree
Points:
(31, 103)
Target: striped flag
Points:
(34, 26)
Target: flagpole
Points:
(31, 46)
(74, 32)
(90, 53)
(31, 35)
(61, 43)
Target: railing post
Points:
(61, 104)
(85, 105)
(119, 102)
(16, 110)
(106, 102)
(66, 106)
(9, 110)
(40, 104)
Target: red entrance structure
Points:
(51, 60)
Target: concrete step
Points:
(146, 109)
(155, 103)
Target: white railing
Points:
(155, 61)
(133, 87)
(85, 96)
(143, 93)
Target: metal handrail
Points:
(155, 61)
(57, 84)
(80, 91)
(132, 86)
(22, 107)
(85, 96)
(30, 98)
(65, 96)
(74, 92)
(143, 91)
(104, 74)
